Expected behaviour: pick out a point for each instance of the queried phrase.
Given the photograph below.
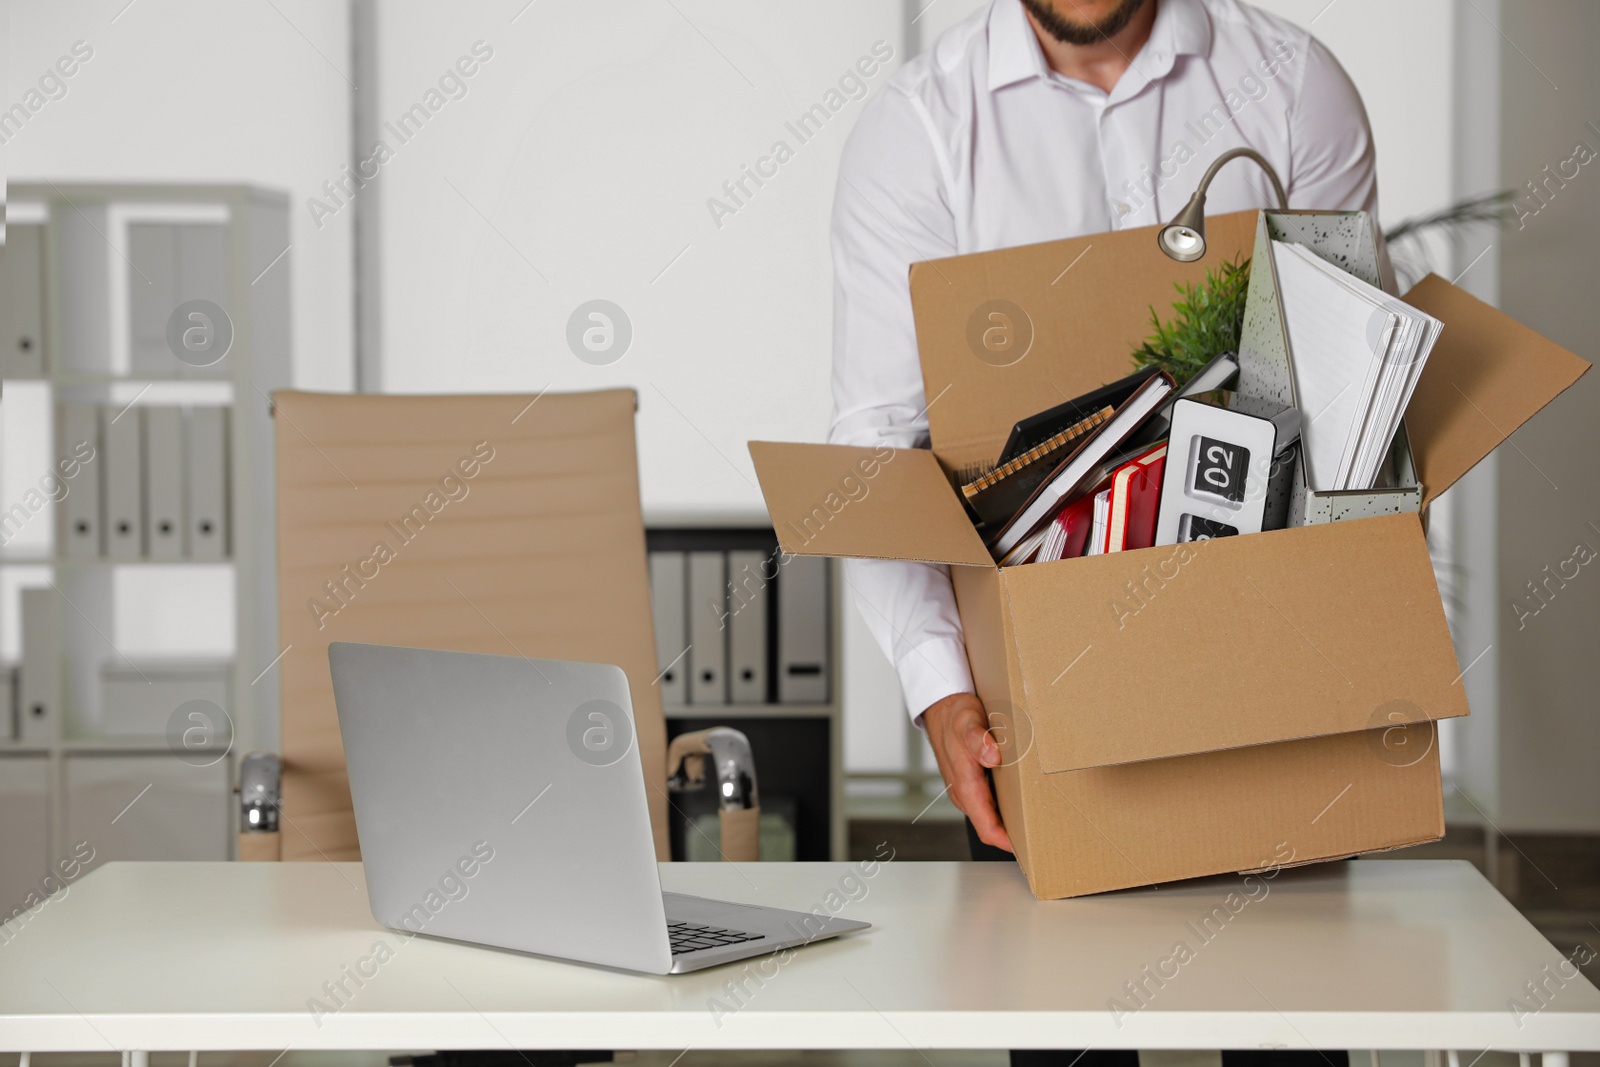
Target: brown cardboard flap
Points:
(876, 503)
(1329, 629)
(1487, 375)
(1081, 305)
(1266, 806)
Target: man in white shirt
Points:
(1036, 120)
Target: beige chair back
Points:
(507, 524)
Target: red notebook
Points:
(1135, 499)
(1069, 531)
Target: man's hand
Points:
(958, 730)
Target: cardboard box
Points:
(1184, 710)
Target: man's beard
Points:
(1068, 32)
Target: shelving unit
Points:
(97, 323)
(806, 763)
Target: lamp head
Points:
(1184, 238)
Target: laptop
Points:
(500, 800)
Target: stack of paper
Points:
(1357, 355)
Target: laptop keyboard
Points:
(692, 937)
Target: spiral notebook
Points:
(997, 495)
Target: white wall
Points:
(200, 92)
(578, 166)
(1548, 730)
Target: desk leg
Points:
(138, 1059)
(1553, 1059)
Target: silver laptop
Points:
(500, 800)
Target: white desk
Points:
(1375, 954)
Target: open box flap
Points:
(1005, 334)
(1330, 629)
(1487, 375)
(875, 503)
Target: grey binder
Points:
(122, 471)
(671, 620)
(747, 626)
(152, 295)
(163, 482)
(78, 514)
(8, 703)
(207, 455)
(708, 635)
(40, 677)
(803, 667)
(22, 302)
(170, 264)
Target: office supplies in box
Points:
(1190, 709)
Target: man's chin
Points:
(1075, 31)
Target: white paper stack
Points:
(1357, 355)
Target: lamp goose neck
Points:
(1235, 153)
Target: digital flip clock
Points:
(1220, 471)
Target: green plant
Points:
(1204, 324)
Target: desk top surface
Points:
(1372, 954)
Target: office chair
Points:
(506, 524)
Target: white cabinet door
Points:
(153, 807)
(24, 829)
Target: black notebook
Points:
(1037, 429)
(1110, 436)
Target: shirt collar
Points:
(1181, 28)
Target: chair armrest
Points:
(260, 777)
(738, 800)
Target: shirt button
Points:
(1122, 207)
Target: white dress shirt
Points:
(977, 144)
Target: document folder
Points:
(152, 296)
(40, 678)
(22, 302)
(671, 621)
(803, 631)
(123, 473)
(163, 482)
(708, 634)
(78, 514)
(747, 626)
(208, 483)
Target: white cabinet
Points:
(146, 807)
(116, 268)
(24, 828)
